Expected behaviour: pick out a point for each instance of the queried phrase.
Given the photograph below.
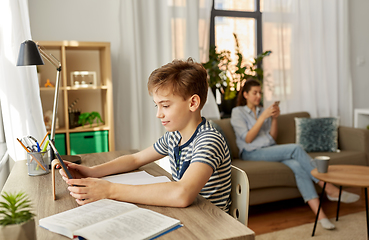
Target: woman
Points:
(256, 132)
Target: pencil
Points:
(32, 155)
(38, 162)
(44, 139)
(23, 145)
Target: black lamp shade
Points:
(29, 54)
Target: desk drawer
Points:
(89, 142)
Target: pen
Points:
(44, 139)
(38, 147)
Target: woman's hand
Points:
(268, 112)
(276, 111)
(88, 190)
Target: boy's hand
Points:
(88, 190)
(77, 171)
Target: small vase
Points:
(22, 231)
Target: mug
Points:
(321, 163)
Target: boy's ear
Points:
(194, 102)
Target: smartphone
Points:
(62, 164)
(276, 103)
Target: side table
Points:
(344, 175)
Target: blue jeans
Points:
(295, 157)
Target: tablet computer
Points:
(62, 164)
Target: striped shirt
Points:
(207, 146)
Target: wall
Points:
(97, 20)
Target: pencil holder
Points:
(38, 163)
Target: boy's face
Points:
(172, 110)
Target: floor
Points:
(285, 214)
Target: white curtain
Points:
(153, 33)
(19, 90)
(309, 68)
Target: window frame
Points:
(241, 14)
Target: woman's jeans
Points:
(295, 157)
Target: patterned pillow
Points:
(317, 134)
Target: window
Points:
(242, 17)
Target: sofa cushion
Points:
(317, 134)
(343, 157)
(264, 174)
(286, 127)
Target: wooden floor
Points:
(285, 214)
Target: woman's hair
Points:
(183, 78)
(241, 100)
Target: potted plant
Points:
(89, 117)
(218, 71)
(228, 78)
(252, 71)
(218, 68)
(16, 219)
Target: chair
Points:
(239, 208)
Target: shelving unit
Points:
(79, 56)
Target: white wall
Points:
(98, 20)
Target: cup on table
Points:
(321, 163)
(38, 163)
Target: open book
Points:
(109, 219)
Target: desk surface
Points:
(202, 220)
(345, 175)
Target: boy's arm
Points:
(126, 163)
(121, 164)
(172, 194)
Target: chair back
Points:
(239, 208)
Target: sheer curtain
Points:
(153, 33)
(19, 90)
(309, 68)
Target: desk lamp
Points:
(30, 54)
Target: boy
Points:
(199, 157)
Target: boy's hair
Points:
(184, 78)
(241, 100)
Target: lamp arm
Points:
(53, 60)
(55, 109)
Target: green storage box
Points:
(89, 142)
(60, 143)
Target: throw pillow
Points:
(317, 134)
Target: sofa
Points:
(274, 181)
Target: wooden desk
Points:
(344, 175)
(202, 220)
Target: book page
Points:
(67, 222)
(138, 224)
(136, 178)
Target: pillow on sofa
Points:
(317, 134)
